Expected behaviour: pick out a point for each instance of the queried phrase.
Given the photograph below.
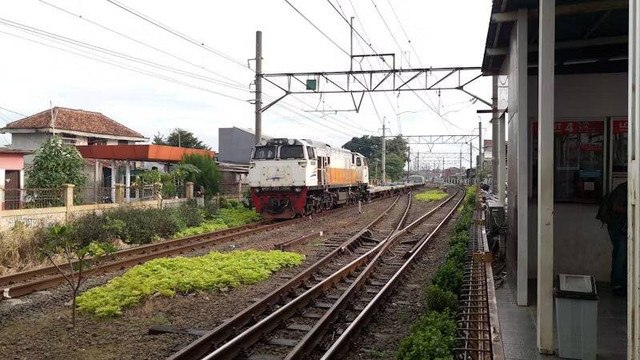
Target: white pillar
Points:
(633, 212)
(502, 161)
(546, 74)
(494, 135)
(522, 159)
(114, 173)
(127, 181)
(96, 175)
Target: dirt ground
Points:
(37, 327)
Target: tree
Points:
(180, 137)
(371, 147)
(208, 176)
(79, 258)
(56, 164)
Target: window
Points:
(619, 143)
(292, 152)
(578, 160)
(264, 152)
(358, 162)
(311, 153)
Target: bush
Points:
(167, 277)
(142, 226)
(91, 227)
(440, 300)
(431, 338)
(458, 253)
(238, 216)
(449, 277)
(189, 215)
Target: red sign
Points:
(620, 126)
(574, 127)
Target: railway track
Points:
(27, 282)
(317, 313)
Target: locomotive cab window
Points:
(311, 153)
(292, 152)
(358, 162)
(264, 153)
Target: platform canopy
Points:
(147, 152)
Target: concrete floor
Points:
(519, 329)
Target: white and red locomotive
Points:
(294, 177)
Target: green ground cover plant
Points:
(432, 337)
(431, 195)
(166, 277)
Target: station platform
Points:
(518, 324)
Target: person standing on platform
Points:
(613, 212)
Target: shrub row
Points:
(431, 195)
(432, 337)
(143, 226)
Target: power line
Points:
(404, 31)
(142, 43)
(315, 27)
(176, 33)
(43, 33)
(11, 111)
(126, 67)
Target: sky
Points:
(152, 80)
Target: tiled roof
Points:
(74, 120)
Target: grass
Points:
(224, 219)
(19, 248)
(166, 277)
(431, 195)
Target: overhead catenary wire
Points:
(145, 44)
(126, 67)
(113, 53)
(12, 111)
(315, 27)
(183, 36)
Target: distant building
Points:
(77, 127)
(235, 144)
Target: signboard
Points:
(574, 127)
(620, 126)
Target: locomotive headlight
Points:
(297, 189)
(291, 142)
(263, 142)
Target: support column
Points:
(546, 74)
(494, 136)
(502, 161)
(114, 174)
(633, 212)
(522, 161)
(127, 181)
(96, 172)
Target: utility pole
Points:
(418, 163)
(480, 149)
(384, 150)
(471, 157)
(351, 52)
(258, 100)
(460, 166)
(408, 163)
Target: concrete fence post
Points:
(189, 190)
(120, 193)
(68, 199)
(2, 207)
(157, 193)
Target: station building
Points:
(570, 110)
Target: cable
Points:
(315, 27)
(127, 67)
(41, 33)
(176, 33)
(140, 42)
(404, 32)
(11, 111)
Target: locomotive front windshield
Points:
(292, 152)
(264, 153)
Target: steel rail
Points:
(50, 270)
(247, 338)
(138, 255)
(341, 344)
(222, 332)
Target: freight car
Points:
(293, 177)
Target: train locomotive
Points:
(295, 177)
